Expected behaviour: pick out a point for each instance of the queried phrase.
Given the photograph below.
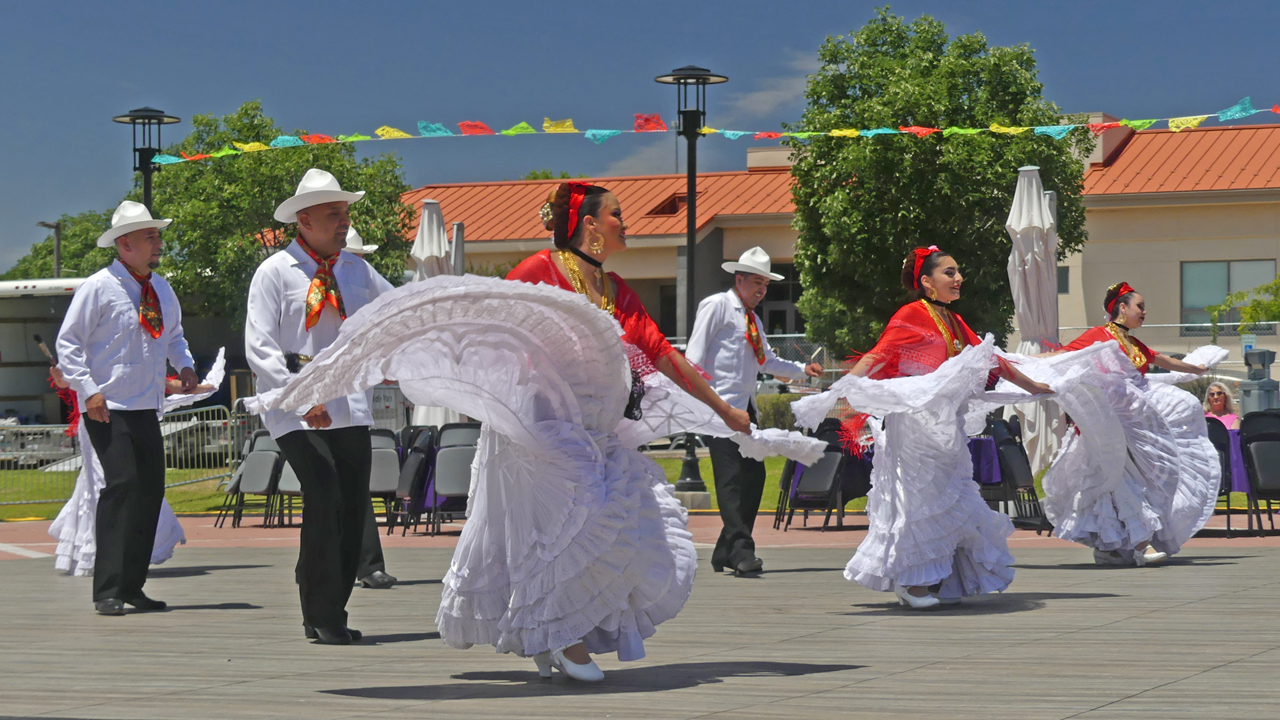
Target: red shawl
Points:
(1102, 334)
(913, 344)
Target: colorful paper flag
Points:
(224, 152)
(599, 136)
(919, 131)
(1057, 132)
(558, 126)
(357, 137)
(804, 135)
(251, 147)
(767, 135)
(1242, 109)
(473, 127)
(1005, 130)
(316, 139)
(1138, 125)
(427, 129)
(523, 128)
(197, 156)
(962, 131)
(846, 132)
(166, 159)
(1099, 128)
(386, 132)
(649, 123)
(734, 134)
(1179, 124)
(285, 141)
(707, 130)
(881, 131)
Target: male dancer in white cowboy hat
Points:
(297, 301)
(728, 342)
(123, 324)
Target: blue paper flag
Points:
(734, 134)
(882, 131)
(433, 129)
(1242, 109)
(599, 136)
(166, 159)
(287, 141)
(1057, 132)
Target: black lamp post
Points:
(146, 144)
(56, 227)
(693, 117)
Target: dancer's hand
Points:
(189, 379)
(58, 378)
(96, 408)
(317, 418)
(737, 420)
(813, 369)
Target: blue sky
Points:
(343, 67)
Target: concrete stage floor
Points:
(1197, 637)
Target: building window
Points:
(1209, 283)
(778, 309)
(1064, 280)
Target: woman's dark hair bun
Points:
(555, 211)
(926, 268)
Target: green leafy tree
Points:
(545, 174)
(1261, 304)
(222, 208)
(863, 203)
(81, 256)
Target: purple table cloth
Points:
(1239, 475)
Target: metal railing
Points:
(1227, 329)
(40, 463)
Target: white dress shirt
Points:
(276, 325)
(718, 344)
(103, 348)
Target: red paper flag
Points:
(198, 156)
(767, 135)
(471, 127)
(316, 139)
(1099, 128)
(919, 131)
(1275, 109)
(649, 123)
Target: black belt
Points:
(293, 362)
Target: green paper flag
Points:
(962, 131)
(224, 152)
(353, 138)
(523, 128)
(1138, 124)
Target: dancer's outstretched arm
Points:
(674, 366)
(1175, 365)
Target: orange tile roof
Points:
(1221, 158)
(509, 210)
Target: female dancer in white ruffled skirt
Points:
(932, 539)
(574, 543)
(1139, 476)
(75, 528)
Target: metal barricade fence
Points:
(40, 463)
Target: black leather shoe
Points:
(146, 604)
(749, 567)
(332, 636)
(110, 606)
(378, 580)
(311, 634)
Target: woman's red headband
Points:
(921, 254)
(1123, 289)
(577, 191)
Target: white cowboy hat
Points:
(128, 217)
(754, 261)
(355, 243)
(317, 187)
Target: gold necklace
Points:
(579, 282)
(953, 342)
(1130, 348)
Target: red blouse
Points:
(1140, 354)
(918, 339)
(638, 328)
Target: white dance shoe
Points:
(916, 603)
(588, 672)
(1108, 557)
(1149, 556)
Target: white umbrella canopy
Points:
(430, 251)
(1033, 278)
(431, 256)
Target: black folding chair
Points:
(1221, 439)
(1260, 443)
(1015, 469)
(413, 480)
(259, 475)
(384, 468)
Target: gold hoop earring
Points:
(931, 293)
(595, 244)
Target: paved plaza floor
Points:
(1198, 637)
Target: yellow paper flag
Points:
(1186, 123)
(389, 133)
(707, 130)
(251, 147)
(846, 133)
(558, 126)
(1007, 130)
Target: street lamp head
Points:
(691, 75)
(49, 225)
(145, 116)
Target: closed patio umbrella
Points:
(1033, 277)
(431, 257)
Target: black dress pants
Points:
(739, 486)
(132, 455)
(333, 470)
(371, 560)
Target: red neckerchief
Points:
(149, 310)
(324, 287)
(753, 332)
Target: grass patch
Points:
(21, 484)
(772, 475)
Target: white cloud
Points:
(658, 157)
(773, 93)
